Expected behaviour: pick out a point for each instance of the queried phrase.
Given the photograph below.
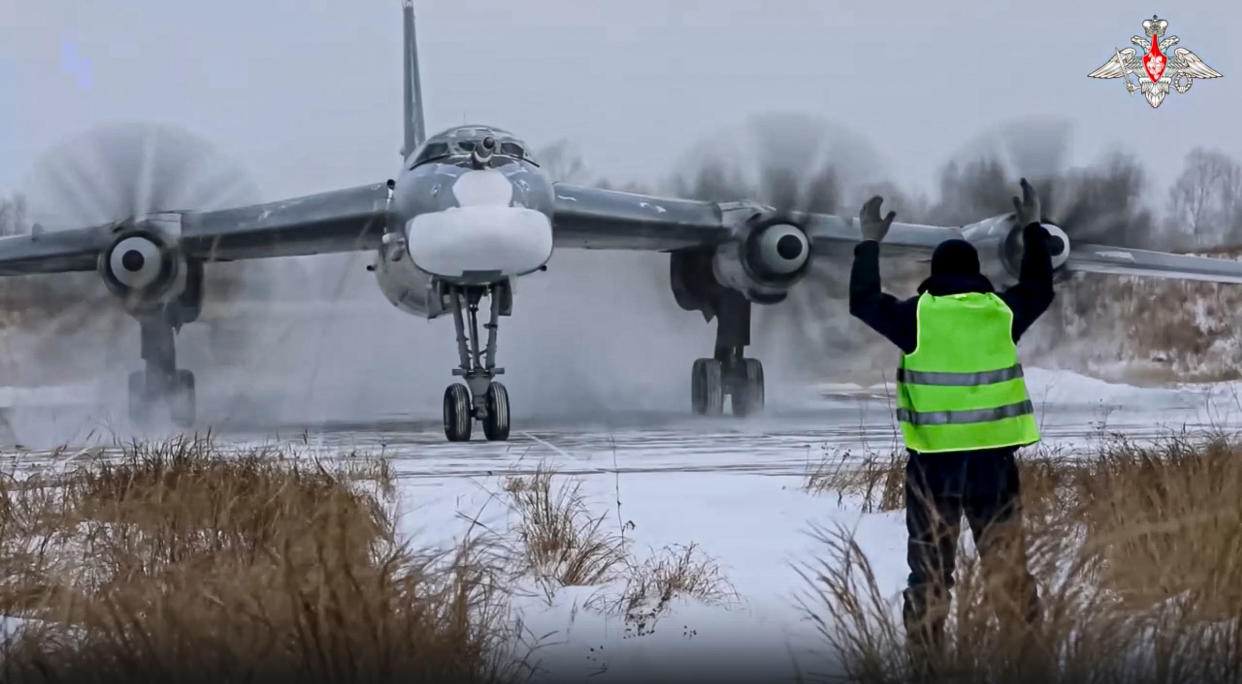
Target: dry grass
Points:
(677, 572)
(877, 479)
(565, 544)
(183, 562)
(1138, 553)
(1167, 523)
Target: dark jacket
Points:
(985, 472)
(897, 319)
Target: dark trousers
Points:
(940, 488)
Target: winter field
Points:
(326, 532)
(646, 549)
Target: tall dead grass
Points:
(1138, 554)
(182, 562)
(878, 479)
(652, 585)
(565, 544)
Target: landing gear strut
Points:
(480, 396)
(162, 383)
(729, 372)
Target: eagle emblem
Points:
(1155, 71)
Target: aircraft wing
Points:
(595, 218)
(831, 234)
(58, 251)
(1142, 262)
(337, 221)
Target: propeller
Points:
(794, 163)
(114, 172)
(121, 170)
(1101, 203)
(800, 163)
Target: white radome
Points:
(485, 233)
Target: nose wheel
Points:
(458, 417)
(496, 420)
(460, 413)
(480, 397)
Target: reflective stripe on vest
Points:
(962, 388)
(960, 417)
(984, 378)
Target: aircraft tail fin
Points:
(415, 132)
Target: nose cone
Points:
(488, 188)
(781, 250)
(1058, 244)
(491, 233)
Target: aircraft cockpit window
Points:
(463, 146)
(432, 151)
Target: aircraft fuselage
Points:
(470, 207)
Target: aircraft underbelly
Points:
(473, 242)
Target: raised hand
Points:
(1027, 208)
(874, 227)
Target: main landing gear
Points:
(729, 373)
(162, 383)
(480, 396)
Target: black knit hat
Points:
(955, 257)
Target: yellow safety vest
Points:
(962, 388)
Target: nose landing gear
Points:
(480, 397)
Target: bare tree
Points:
(13, 215)
(1206, 200)
(562, 162)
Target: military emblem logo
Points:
(1155, 71)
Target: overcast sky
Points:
(306, 93)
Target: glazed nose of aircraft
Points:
(491, 234)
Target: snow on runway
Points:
(733, 488)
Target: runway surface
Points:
(828, 421)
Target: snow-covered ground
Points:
(737, 493)
(752, 524)
(733, 488)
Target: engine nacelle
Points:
(144, 265)
(771, 255)
(999, 241)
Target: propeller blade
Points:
(1100, 203)
(121, 170)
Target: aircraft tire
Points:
(457, 418)
(706, 387)
(182, 404)
(496, 424)
(748, 397)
